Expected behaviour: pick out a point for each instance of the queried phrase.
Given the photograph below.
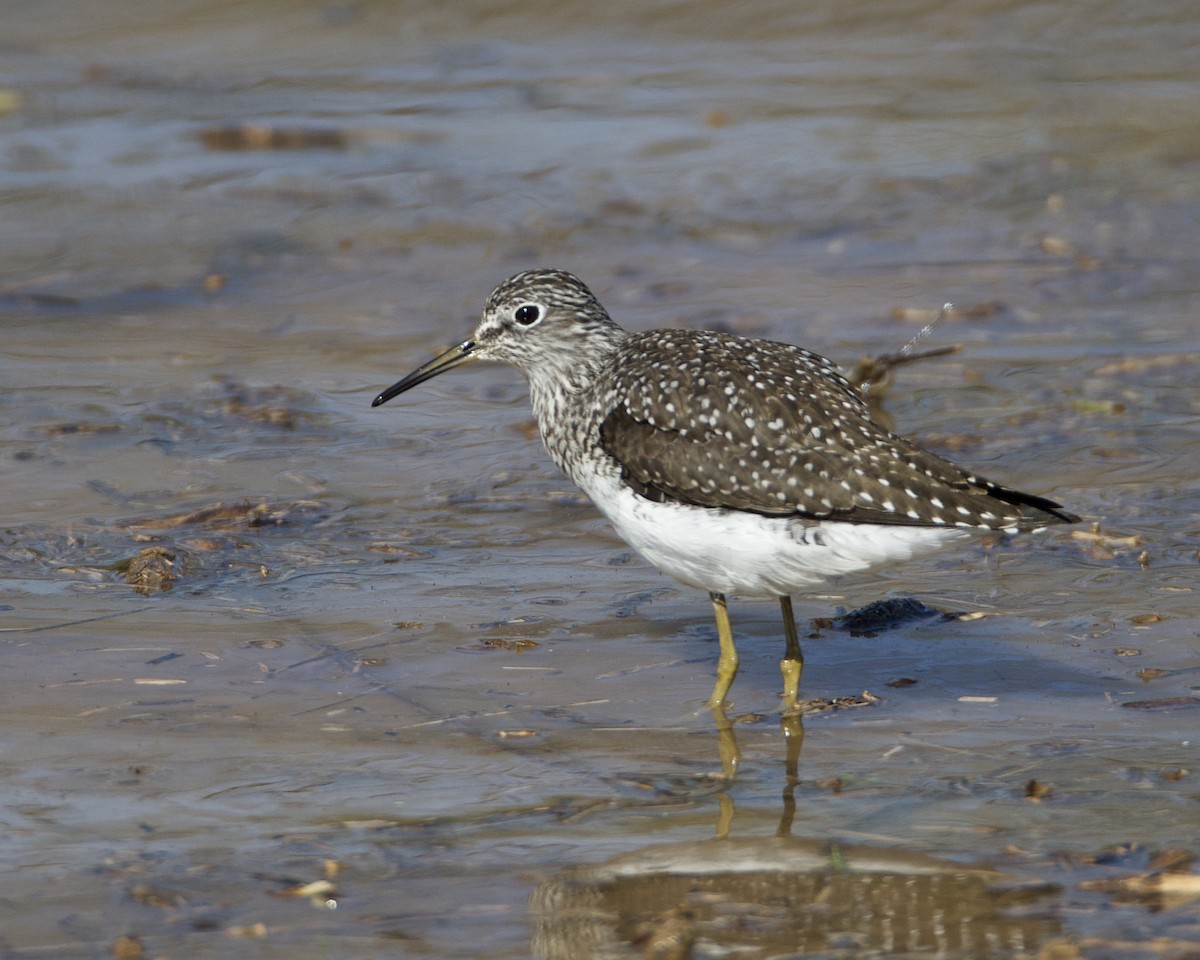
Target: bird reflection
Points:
(764, 896)
(792, 727)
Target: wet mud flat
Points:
(284, 676)
(417, 721)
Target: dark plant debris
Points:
(219, 516)
(263, 136)
(150, 570)
(889, 614)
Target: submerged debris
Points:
(275, 406)
(82, 428)
(1139, 366)
(827, 704)
(262, 136)
(150, 570)
(222, 517)
(517, 644)
(1162, 703)
(1099, 545)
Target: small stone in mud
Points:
(128, 948)
(206, 544)
(250, 931)
(145, 895)
(320, 893)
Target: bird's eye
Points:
(528, 314)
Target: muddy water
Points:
(406, 694)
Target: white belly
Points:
(730, 552)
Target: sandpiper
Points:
(739, 466)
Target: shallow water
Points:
(409, 660)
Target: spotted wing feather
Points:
(720, 421)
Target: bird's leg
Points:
(727, 662)
(792, 663)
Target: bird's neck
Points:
(563, 388)
(565, 375)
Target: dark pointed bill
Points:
(454, 357)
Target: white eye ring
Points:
(527, 314)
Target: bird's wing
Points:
(719, 421)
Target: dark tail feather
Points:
(1035, 511)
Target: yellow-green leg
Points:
(792, 663)
(727, 662)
